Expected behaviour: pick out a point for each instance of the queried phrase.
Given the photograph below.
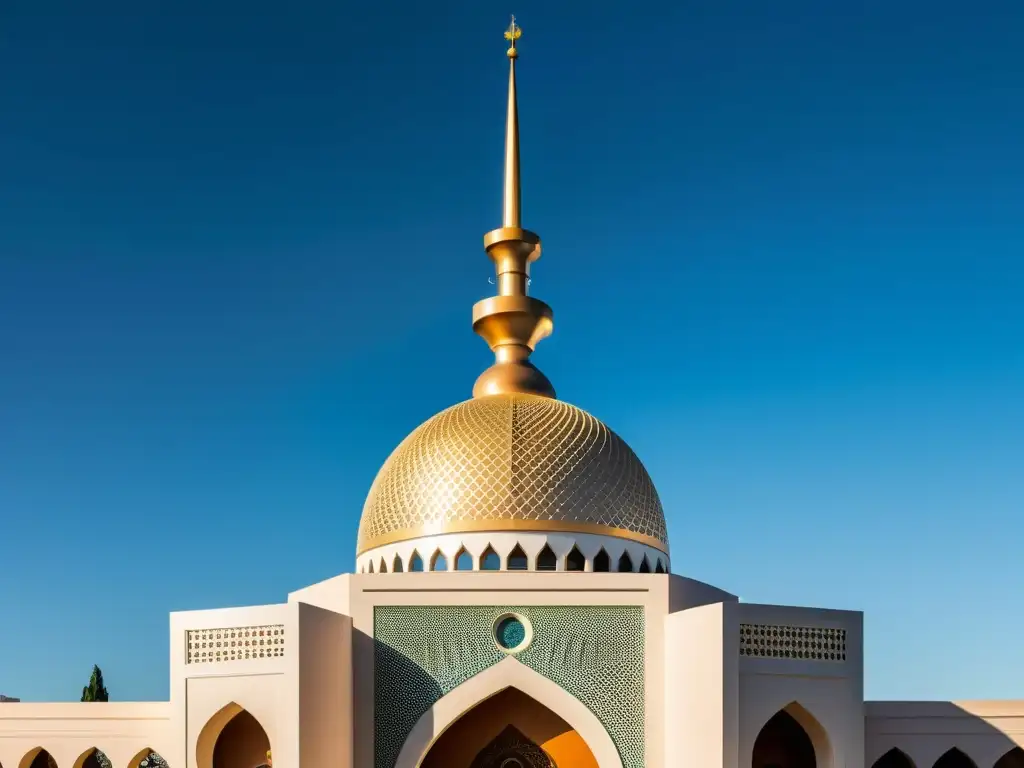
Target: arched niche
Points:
(546, 560)
(37, 757)
(232, 738)
(485, 693)
(489, 560)
(792, 738)
(575, 561)
(1012, 759)
(894, 758)
(517, 560)
(439, 562)
(92, 758)
(147, 758)
(955, 758)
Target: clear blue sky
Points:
(239, 243)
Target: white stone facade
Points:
(713, 672)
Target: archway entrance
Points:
(783, 743)
(232, 738)
(510, 730)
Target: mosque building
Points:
(514, 606)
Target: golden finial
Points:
(512, 323)
(513, 33)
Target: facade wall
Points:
(721, 690)
(925, 730)
(305, 671)
(702, 686)
(320, 688)
(124, 732)
(824, 695)
(206, 693)
(648, 592)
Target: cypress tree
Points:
(95, 690)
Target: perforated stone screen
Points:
(780, 641)
(596, 653)
(204, 646)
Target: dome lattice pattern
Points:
(504, 462)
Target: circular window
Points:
(512, 633)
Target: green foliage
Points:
(95, 690)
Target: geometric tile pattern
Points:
(779, 641)
(508, 460)
(421, 653)
(234, 644)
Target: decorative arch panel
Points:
(595, 653)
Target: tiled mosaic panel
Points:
(779, 641)
(205, 646)
(596, 653)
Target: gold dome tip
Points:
(514, 32)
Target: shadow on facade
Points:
(403, 694)
(911, 737)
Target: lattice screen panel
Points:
(205, 646)
(780, 641)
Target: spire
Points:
(512, 322)
(513, 199)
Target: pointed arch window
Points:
(645, 566)
(897, 758)
(370, 570)
(625, 563)
(517, 560)
(575, 561)
(1012, 759)
(396, 565)
(659, 568)
(784, 740)
(955, 758)
(489, 560)
(439, 562)
(463, 561)
(416, 563)
(546, 560)
(602, 563)
(383, 565)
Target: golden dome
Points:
(512, 462)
